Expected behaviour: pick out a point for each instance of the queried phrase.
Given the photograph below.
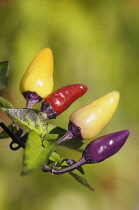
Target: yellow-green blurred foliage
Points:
(96, 43)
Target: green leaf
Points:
(77, 174)
(4, 66)
(80, 176)
(36, 153)
(4, 135)
(74, 144)
(54, 157)
(51, 137)
(6, 104)
(28, 120)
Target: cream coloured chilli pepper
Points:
(37, 82)
(88, 121)
(93, 117)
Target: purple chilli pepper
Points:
(99, 149)
(105, 146)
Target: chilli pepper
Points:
(88, 121)
(37, 82)
(105, 146)
(58, 101)
(98, 150)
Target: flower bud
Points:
(105, 146)
(38, 79)
(93, 117)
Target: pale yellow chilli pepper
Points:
(39, 75)
(93, 117)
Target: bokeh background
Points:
(96, 43)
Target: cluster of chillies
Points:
(84, 123)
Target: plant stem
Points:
(68, 135)
(29, 105)
(46, 168)
(82, 161)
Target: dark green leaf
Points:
(74, 144)
(80, 176)
(28, 119)
(4, 135)
(54, 129)
(4, 66)
(6, 104)
(36, 153)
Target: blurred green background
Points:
(96, 43)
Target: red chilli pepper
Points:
(58, 101)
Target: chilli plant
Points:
(39, 139)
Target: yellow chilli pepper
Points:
(39, 75)
(93, 117)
